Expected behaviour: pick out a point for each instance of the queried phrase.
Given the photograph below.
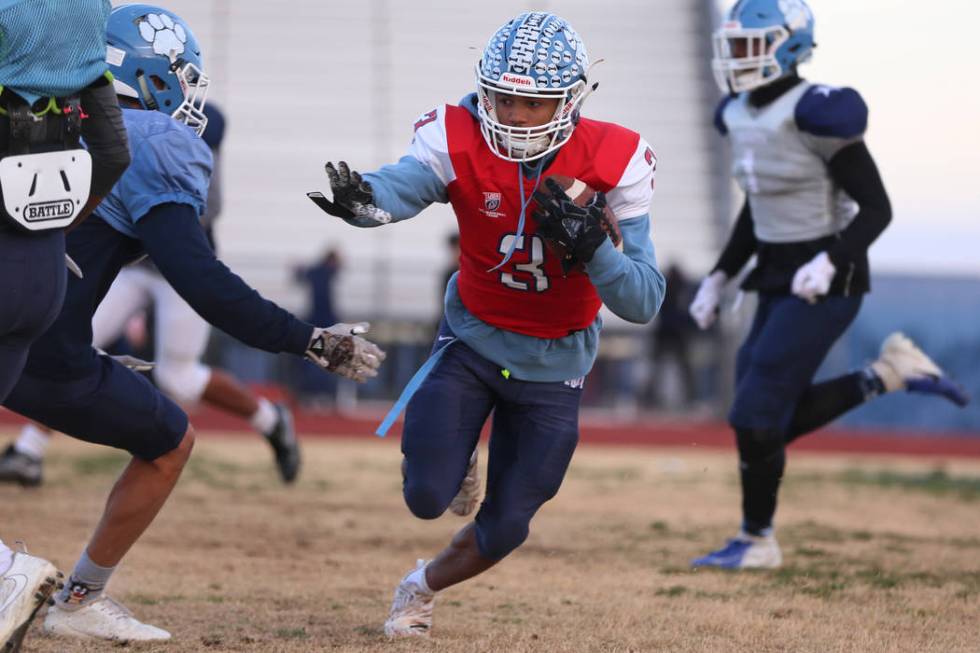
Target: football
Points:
(581, 193)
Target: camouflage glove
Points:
(353, 198)
(341, 350)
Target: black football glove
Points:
(352, 196)
(574, 232)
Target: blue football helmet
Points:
(761, 41)
(156, 60)
(538, 55)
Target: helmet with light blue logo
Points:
(535, 55)
(761, 41)
(156, 60)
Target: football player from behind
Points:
(153, 210)
(181, 338)
(55, 92)
(814, 203)
(521, 323)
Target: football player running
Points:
(54, 89)
(520, 329)
(153, 210)
(181, 338)
(814, 204)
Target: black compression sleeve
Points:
(175, 241)
(741, 244)
(854, 170)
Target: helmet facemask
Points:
(194, 84)
(527, 144)
(745, 58)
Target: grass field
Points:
(882, 554)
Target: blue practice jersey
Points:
(171, 165)
(52, 47)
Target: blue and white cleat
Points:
(744, 551)
(901, 365)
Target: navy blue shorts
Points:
(67, 386)
(534, 434)
(787, 343)
(113, 406)
(32, 288)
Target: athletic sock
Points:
(32, 442)
(418, 577)
(86, 583)
(6, 558)
(265, 418)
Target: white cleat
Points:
(900, 361)
(24, 588)
(103, 618)
(468, 497)
(744, 551)
(411, 609)
(903, 366)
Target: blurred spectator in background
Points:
(672, 377)
(314, 386)
(452, 265)
(452, 247)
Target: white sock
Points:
(32, 441)
(418, 577)
(6, 558)
(265, 418)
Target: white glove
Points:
(704, 308)
(341, 350)
(813, 279)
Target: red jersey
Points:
(528, 294)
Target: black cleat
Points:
(282, 437)
(18, 467)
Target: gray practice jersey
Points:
(780, 154)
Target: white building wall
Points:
(309, 81)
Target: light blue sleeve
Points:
(629, 283)
(172, 166)
(403, 189)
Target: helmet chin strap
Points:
(145, 94)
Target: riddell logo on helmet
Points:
(516, 80)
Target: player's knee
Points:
(171, 464)
(183, 381)
(425, 500)
(497, 538)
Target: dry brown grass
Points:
(237, 563)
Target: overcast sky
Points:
(917, 65)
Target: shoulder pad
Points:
(720, 115)
(832, 112)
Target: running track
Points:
(597, 430)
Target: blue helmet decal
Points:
(156, 60)
(536, 54)
(761, 41)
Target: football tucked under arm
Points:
(574, 220)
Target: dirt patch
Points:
(236, 562)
